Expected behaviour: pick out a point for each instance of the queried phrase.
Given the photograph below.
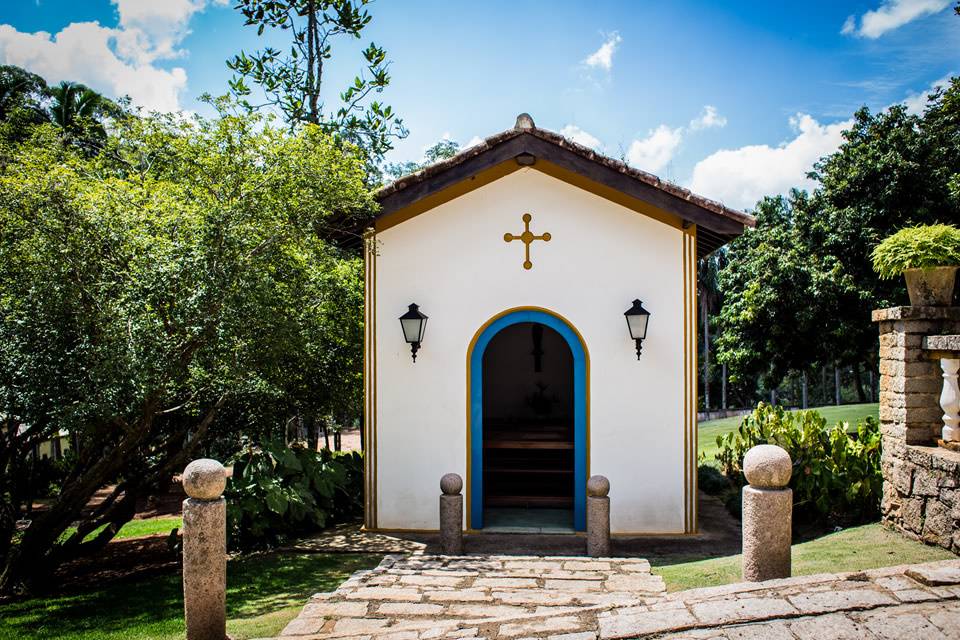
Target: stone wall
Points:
(921, 488)
(921, 495)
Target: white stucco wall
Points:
(453, 262)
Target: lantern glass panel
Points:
(413, 329)
(638, 325)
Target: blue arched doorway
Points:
(579, 419)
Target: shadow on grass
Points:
(153, 607)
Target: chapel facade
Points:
(496, 345)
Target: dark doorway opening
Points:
(528, 429)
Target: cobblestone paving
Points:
(422, 597)
(516, 598)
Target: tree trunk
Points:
(773, 397)
(803, 389)
(326, 434)
(723, 386)
(836, 384)
(706, 355)
(858, 382)
(873, 386)
(823, 385)
(313, 437)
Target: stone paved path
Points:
(516, 598)
(422, 597)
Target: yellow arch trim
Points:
(473, 342)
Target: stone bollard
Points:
(767, 514)
(451, 515)
(598, 517)
(205, 550)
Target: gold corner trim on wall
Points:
(690, 377)
(694, 425)
(370, 377)
(469, 416)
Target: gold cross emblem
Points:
(526, 238)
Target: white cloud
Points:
(740, 177)
(472, 142)
(708, 118)
(603, 57)
(578, 135)
(849, 26)
(115, 61)
(891, 15)
(656, 150)
(917, 102)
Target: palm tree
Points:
(79, 110)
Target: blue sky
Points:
(733, 99)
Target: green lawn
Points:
(867, 547)
(264, 593)
(708, 431)
(137, 528)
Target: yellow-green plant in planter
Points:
(927, 256)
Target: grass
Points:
(855, 549)
(264, 592)
(708, 431)
(137, 528)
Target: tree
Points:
(800, 287)
(22, 101)
(156, 297)
(293, 82)
(440, 151)
(708, 294)
(769, 323)
(79, 110)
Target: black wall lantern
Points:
(414, 324)
(637, 318)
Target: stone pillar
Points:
(598, 517)
(910, 386)
(205, 550)
(767, 513)
(451, 515)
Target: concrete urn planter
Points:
(931, 287)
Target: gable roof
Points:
(525, 144)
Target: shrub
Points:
(921, 247)
(836, 474)
(279, 492)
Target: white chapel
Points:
(531, 321)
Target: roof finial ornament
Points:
(524, 121)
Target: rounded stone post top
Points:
(767, 466)
(204, 479)
(598, 486)
(451, 484)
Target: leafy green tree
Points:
(157, 296)
(768, 324)
(800, 287)
(22, 102)
(293, 81)
(440, 151)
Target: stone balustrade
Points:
(919, 354)
(947, 350)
